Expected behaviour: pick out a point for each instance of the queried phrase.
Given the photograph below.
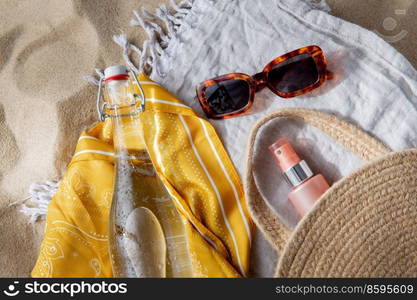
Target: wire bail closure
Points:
(101, 108)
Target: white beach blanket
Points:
(374, 87)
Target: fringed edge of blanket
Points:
(161, 27)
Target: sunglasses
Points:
(289, 75)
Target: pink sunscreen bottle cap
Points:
(284, 154)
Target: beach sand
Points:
(46, 47)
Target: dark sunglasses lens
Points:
(294, 74)
(227, 96)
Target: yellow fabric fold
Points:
(196, 170)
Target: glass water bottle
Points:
(147, 235)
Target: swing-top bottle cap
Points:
(116, 72)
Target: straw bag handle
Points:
(344, 133)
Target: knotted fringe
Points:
(94, 80)
(161, 27)
(158, 39)
(36, 205)
(320, 4)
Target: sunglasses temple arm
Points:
(259, 79)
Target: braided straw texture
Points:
(363, 226)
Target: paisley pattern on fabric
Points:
(197, 172)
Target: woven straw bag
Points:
(365, 225)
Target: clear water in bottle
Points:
(147, 234)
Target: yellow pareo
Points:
(197, 172)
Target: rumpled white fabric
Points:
(374, 87)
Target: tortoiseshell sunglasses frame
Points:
(260, 80)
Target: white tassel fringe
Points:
(152, 48)
(39, 199)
